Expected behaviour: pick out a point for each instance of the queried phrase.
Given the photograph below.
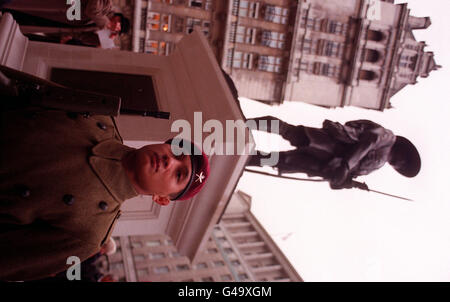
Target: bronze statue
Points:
(339, 153)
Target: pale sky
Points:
(352, 235)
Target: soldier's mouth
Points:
(155, 162)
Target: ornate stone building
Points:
(238, 249)
(325, 52)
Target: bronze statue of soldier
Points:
(339, 153)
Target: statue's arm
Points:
(366, 143)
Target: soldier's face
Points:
(114, 24)
(156, 171)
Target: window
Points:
(182, 267)
(164, 48)
(156, 22)
(246, 8)
(309, 46)
(408, 61)
(136, 244)
(235, 263)
(206, 28)
(243, 277)
(235, 9)
(375, 35)
(157, 47)
(153, 21)
(174, 254)
(228, 250)
(233, 29)
(165, 23)
(334, 27)
(367, 75)
(142, 272)
(201, 265)
(412, 47)
(242, 60)
(405, 75)
(143, 18)
(230, 57)
(161, 270)
(245, 35)
(196, 3)
(310, 23)
(212, 251)
(371, 55)
(141, 44)
(219, 263)
(191, 23)
(325, 69)
(330, 48)
(269, 64)
(225, 277)
(205, 4)
(221, 239)
(273, 39)
(329, 26)
(157, 255)
(301, 67)
(153, 243)
(207, 279)
(151, 47)
(179, 24)
(276, 14)
(117, 266)
(139, 258)
(208, 4)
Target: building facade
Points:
(324, 52)
(238, 249)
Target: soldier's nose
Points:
(166, 161)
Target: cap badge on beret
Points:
(200, 177)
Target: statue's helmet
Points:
(405, 158)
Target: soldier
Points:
(339, 153)
(65, 174)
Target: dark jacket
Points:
(367, 145)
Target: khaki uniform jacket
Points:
(61, 188)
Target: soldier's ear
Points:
(161, 200)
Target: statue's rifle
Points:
(355, 184)
(363, 186)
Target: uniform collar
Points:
(106, 162)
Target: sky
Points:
(353, 235)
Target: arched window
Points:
(367, 75)
(371, 55)
(375, 35)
